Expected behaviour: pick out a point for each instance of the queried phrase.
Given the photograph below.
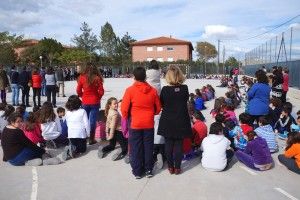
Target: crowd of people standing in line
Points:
(157, 124)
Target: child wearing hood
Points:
(257, 155)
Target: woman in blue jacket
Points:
(259, 96)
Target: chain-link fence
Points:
(281, 50)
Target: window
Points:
(160, 48)
(149, 48)
(170, 48)
(160, 59)
(149, 59)
(170, 59)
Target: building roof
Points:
(162, 41)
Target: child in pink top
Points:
(32, 129)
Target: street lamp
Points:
(41, 58)
(205, 60)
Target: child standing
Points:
(257, 154)
(216, 154)
(113, 131)
(78, 128)
(291, 156)
(266, 132)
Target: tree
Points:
(206, 50)
(73, 56)
(124, 46)
(232, 62)
(7, 44)
(50, 49)
(87, 40)
(108, 41)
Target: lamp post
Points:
(41, 58)
(205, 60)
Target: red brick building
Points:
(163, 49)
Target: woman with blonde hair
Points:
(90, 89)
(174, 124)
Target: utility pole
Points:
(218, 71)
(224, 59)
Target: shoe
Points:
(177, 171)
(34, 162)
(149, 174)
(159, 162)
(52, 161)
(100, 152)
(137, 177)
(92, 141)
(118, 156)
(171, 170)
(64, 96)
(127, 159)
(283, 136)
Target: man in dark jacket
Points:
(24, 79)
(4, 83)
(14, 79)
(60, 77)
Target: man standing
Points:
(140, 103)
(14, 79)
(24, 82)
(60, 79)
(4, 83)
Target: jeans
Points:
(3, 96)
(290, 163)
(43, 89)
(25, 155)
(174, 152)
(37, 93)
(141, 150)
(61, 87)
(50, 91)
(25, 95)
(15, 94)
(91, 111)
(118, 137)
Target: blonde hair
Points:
(174, 76)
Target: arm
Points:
(125, 104)
(79, 87)
(157, 104)
(100, 89)
(113, 123)
(291, 152)
(58, 125)
(251, 92)
(23, 139)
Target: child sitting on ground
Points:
(113, 131)
(245, 122)
(32, 130)
(229, 113)
(63, 138)
(219, 106)
(199, 102)
(283, 125)
(22, 110)
(291, 156)
(266, 132)
(216, 149)
(296, 127)
(257, 155)
(191, 104)
(274, 110)
(237, 134)
(78, 128)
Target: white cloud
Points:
(295, 26)
(219, 32)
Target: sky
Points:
(231, 21)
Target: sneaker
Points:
(127, 159)
(100, 152)
(149, 174)
(159, 162)
(283, 136)
(118, 156)
(52, 161)
(34, 162)
(137, 177)
(177, 171)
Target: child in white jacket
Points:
(78, 128)
(216, 154)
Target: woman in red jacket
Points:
(90, 89)
(36, 80)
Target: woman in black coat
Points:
(174, 123)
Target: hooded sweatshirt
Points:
(258, 149)
(268, 134)
(153, 78)
(214, 152)
(140, 103)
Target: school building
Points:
(162, 49)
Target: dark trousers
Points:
(158, 149)
(3, 96)
(25, 95)
(141, 150)
(174, 152)
(290, 163)
(283, 97)
(79, 144)
(118, 137)
(37, 93)
(50, 91)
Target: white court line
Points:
(248, 170)
(34, 184)
(285, 193)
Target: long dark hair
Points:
(92, 73)
(8, 110)
(46, 113)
